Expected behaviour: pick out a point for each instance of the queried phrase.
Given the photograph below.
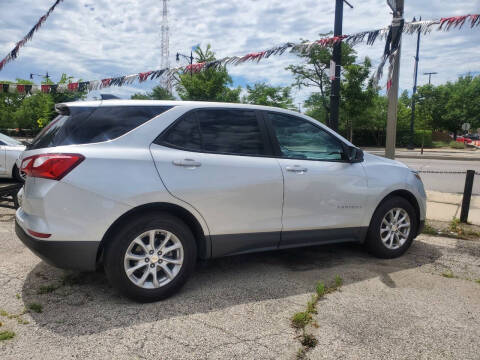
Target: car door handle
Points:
(296, 169)
(188, 163)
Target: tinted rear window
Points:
(91, 125)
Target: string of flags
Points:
(391, 34)
(14, 53)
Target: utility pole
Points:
(393, 91)
(430, 76)
(337, 58)
(411, 144)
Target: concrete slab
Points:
(441, 211)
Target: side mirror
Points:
(354, 154)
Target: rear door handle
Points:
(188, 163)
(296, 169)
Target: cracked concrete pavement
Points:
(240, 307)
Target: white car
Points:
(145, 188)
(10, 150)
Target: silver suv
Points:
(145, 188)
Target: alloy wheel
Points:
(153, 259)
(395, 228)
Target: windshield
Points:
(9, 141)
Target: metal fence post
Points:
(467, 194)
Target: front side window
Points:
(300, 139)
(224, 131)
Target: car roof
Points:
(192, 104)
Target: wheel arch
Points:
(202, 240)
(407, 195)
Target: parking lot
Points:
(425, 304)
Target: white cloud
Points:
(92, 40)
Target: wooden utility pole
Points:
(393, 91)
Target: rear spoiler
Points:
(62, 109)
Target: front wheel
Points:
(392, 228)
(151, 257)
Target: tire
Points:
(386, 210)
(16, 174)
(116, 262)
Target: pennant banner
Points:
(14, 53)
(391, 34)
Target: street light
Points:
(190, 58)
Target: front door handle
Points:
(296, 169)
(188, 163)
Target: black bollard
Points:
(467, 194)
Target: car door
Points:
(3, 157)
(324, 195)
(219, 161)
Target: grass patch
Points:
(477, 281)
(308, 341)
(439, 144)
(429, 230)
(17, 317)
(46, 289)
(6, 335)
(456, 145)
(448, 274)
(35, 307)
(303, 318)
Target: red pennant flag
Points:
(45, 88)
(20, 88)
(73, 86)
(144, 76)
(106, 82)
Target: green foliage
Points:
(212, 84)
(313, 73)
(456, 145)
(6, 335)
(263, 94)
(157, 93)
(35, 307)
(32, 111)
(301, 319)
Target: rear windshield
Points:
(85, 125)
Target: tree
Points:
(356, 96)
(33, 111)
(211, 84)
(157, 93)
(263, 94)
(313, 72)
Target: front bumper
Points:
(74, 255)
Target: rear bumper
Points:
(74, 255)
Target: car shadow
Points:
(84, 303)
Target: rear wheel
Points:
(392, 228)
(17, 174)
(151, 257)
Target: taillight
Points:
(50, 166)
(39, 235)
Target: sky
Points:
(105, 38)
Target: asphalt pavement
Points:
(444, 180)
(240, 307)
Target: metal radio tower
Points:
(164, 62)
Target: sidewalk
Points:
(446, 206)
(468, 154)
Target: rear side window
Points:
(90, 125)
(225, 131)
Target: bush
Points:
(456, 145)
